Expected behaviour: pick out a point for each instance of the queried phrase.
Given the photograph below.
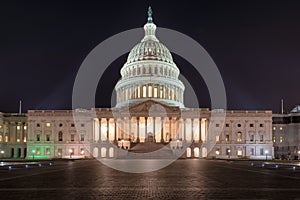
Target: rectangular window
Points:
(0, 138)
(274, 139)
(38, 151)
(261, 150)
(217, 125)
(239, 137)
(251, 125)
(72, 125)
(38, 137)
(72, 137)
(47, 137)
(227, 138)
(47, 151)
(261, 138)
(261, 125)
(280, 139)
(82, 137)
(6, 138)
(252, 151)
(60, 136)
(227, 125)
(251, 138)
(240, 152)
(217, 138)
(48, 124)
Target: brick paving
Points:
(184, 179)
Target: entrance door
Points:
(150, 137)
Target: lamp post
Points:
(217, 152)
(33, 152)
(2, 153)
(71, 152)
(266, 152)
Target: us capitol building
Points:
(149, 115)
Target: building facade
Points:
(150, 115)
(286, 134)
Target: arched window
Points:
(103, 152)
(196, 152)
(144, 91)
(60, 136)
(95, 152)
(111, 152)
(188, 152)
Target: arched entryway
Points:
(150, 137)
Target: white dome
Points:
(149, 73)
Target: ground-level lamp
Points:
(229, 153)
(217, 152)
(266, 152)
(33, 152)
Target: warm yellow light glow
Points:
(144, 91)
(217, 138)
(25, 127)
(218, 152)
(18, 127)
(274, 128)
(280, 128)
(25, 140)
(18, 140)
(280, 139)
(48, 124)
(239, 152)
(155, 92)
(150, 91)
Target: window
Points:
(38, 125)
(82, 151)
(217, 125)
(25, 128)
(217, 138)
(82, 125)
(240, 152)
(280, 139)
(251, 125)
(18, 127)
(251, 138)
(261, 138)
(38, 137)
(239, 125)
(60, 125)
(72, 125)
(72, 137)
(252, 151)
(82, 137)
(60, 136)
(261, 125)
(47, 151)
(261, 150)
(38, 151)
(0, 138)
(48, 124)
(47, 137)
(227, 138)
(274, 139)
(280, 128)
(274, 128)
(6, 138)
(227, 125)
(239, 137)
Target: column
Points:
(192, 125)
(154, 130)
(162, 129)
(170, 128)
(146, 135)
(184, 130)
(138, 129)
(107, 130)
(115, 136)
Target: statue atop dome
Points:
(149, 14)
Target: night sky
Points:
(255, 44)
